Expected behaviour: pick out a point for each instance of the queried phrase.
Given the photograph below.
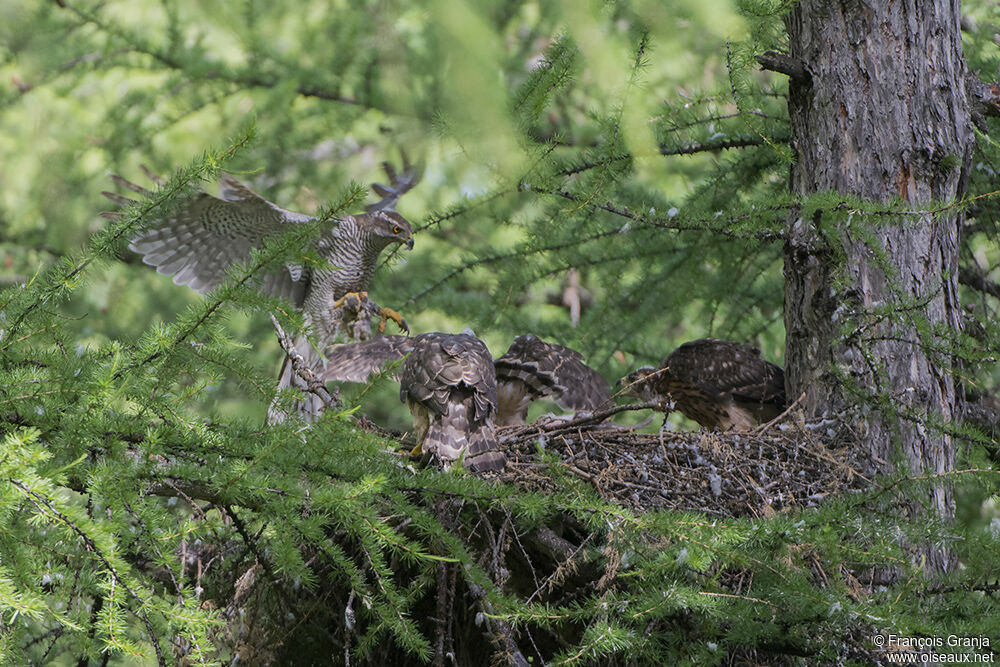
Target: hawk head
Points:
(641, 384)
(389, 225)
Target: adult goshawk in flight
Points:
(533, 368)
(718, 383)
(202, 237)
(447, 381)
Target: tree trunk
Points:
(880, 112)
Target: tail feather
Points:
(483, 453)
(458, 435)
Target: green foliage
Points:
(151, 516)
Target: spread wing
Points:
(553, 371)
(723, 369)
(357, 362)
(204, 235)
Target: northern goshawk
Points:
(720, 384)
(447, 381)
(205, 235)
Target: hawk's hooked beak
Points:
(409, 243)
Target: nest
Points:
(752, 473)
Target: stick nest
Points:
(752, 473)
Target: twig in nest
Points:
(702, 471)
(763, 427)
(532, 431)
(589, 477)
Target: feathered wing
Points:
(357, 362)
(449, 381)
(528, 360)
(723, 383)
(202, 237)
(399, 183)
(549, 371)
(579, 387)
(721, 367)
(762, 391)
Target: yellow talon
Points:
(417, 451)
(390, 314)
(357, 300)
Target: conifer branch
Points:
(677, 127)
(738, 99)
(670, 150)
(646, 220)
(593, 164)
(244, 77)
(493, 259)
(744, 141)
(313, 384)
(530, 432)
(501, 632)
(178, 590)
(711, 225)
(45, 504)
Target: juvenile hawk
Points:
(718, 383)
(533, 368)
(447, 381)
(202, 237)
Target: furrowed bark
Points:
(883, 115)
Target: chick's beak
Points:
(409, 243)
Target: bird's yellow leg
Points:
(390, 314)
(361, 298)
(418, 450)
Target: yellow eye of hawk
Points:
(396, 229)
